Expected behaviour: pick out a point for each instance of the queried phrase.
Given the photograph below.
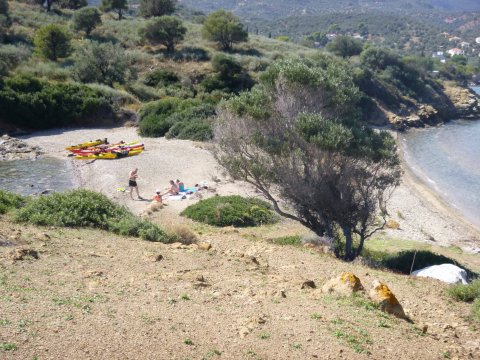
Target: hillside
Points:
(94, 295)
(268, 9)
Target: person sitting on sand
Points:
(132, 183)
(173, 189)
(158, 197)
(181, 186)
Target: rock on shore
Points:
(15, 149)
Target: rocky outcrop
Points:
(14, 149)
(466, 102)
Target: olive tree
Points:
(118, 6)
(52, 42)
(86, 19)
(105, 63)
(224, 28)
(296, 138)
(345, 46)
(149, 8)
(165, 30)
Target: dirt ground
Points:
(92, 295)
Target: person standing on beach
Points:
(132, 183)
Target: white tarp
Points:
(448, 273)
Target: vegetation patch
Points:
(9, 201)
(231, 211)
(466, 293)
(294, 240)
(84, 208)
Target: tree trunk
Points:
(349, 252)
(120, 14)
(49, 5)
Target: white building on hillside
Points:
(455, 51)
(477, 40)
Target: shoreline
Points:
(434, 201)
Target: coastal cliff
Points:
(438, 106)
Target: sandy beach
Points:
(422, 215)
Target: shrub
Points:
(105, 63)
(84, 208)
(476, 310)
(164, 30)
(224, 28)
(118, 6)
(150, 8)
(161, 77)
(86, 19)
(192, 123)
(231, 211)
(402, 261)
(466, 293)
(52, 42)
(10, 201)
(29, 102)
(11, 56)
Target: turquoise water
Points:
(27, 177)
(447, 158)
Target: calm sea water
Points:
(447, 158)
(27, 177)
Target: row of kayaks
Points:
(101, 149)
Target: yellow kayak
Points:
(87, 144)
(110, 155)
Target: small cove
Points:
(28, 177)
(447, 159)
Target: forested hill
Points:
(274, 9)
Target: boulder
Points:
(345, 284)
(448, 273)
(384, 297)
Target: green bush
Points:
(177, 118)
(9, 201)
(11, 56)
(476, 310)
(294, 240)
(466, 293)
(161, 77)
(84, 208)
(37, 104)
(402, 261)
(231, 211)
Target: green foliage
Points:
(52, 42)
(72, 4)
(476, 310)
(105, 63)
(11, 56)
(176, 118)
(345, 46)
(37, 104)
(86, 19)
(149, 8)
(84, 208)
(402, 261)
(294, 240)
(224, 28)
(229, 77)
(10, 201)
(5, 21)
(165, 30)
(466, 293)
(161, 77)
(231, 211)
(118, 6)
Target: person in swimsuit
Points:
(181, 186)
(173, 189)
(132, 182)
(158, 197)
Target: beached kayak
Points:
(107, 148)
(86, 144)
(111, 155)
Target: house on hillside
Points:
(464, 44)
(440, 55)
(454, 38)
(455, 51)
(477, 40)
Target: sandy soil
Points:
(422, 215)
(93, 295)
